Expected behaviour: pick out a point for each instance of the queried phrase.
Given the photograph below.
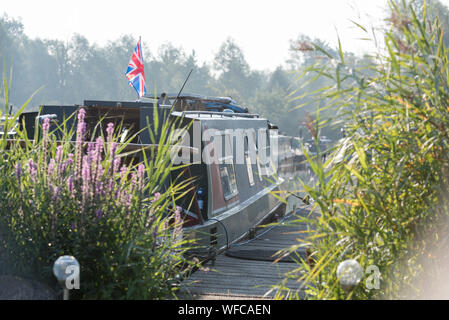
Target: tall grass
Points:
(381, 196)
(80, 198)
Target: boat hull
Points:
(219, 233)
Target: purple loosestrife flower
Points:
(58, 156)
(50, 171)
(100, 171)
(110, 185)
(97, 159)
(32, 168)
(126, 198)
(123, 197)
(71, 186)
(113, 149)
(45, 128)
(58, 159)
(99, 213)
(81, 129)
(133, 182)
(177, 233)
(116, 165)
(98, 146)
(46, 125)
(98, 181)
(128, 202)
(99, 188)
(90, 151)
(123, 171)
(81, 115)
(85, 177)
(56, 192)
(66, 164)
(18, 171)
(140, 175)
(85, 173)
(110, 131)
(51, 168)
(123, 175)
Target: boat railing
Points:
(223, 114)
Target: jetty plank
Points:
(230, 278)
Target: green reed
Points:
(380, 198)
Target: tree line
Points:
(76, 70)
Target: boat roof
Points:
(207, 115)
(192, 96)
(209, 103)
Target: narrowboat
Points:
(233, 156)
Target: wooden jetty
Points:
(246, 270)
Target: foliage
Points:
(82, 198)
(76, 70)
(381, 196)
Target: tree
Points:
(234, 72)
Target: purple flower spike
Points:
(46, 125)
(116, 165)
(18, 170)
(85, 173)
(98, 149)
(58, 154)
(90, 147)
(110, 131)
(32, 168)
(81, 115)
(51, 167)
(141, 171)
(85, 176)
(70, 185)
(66, 164)
(81, 129)
(140, 175)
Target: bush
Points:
(381, 197)
(81, 199)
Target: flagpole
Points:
(138, 96)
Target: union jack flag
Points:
(134, 72)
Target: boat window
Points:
(227, 171)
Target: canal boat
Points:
(233, 158)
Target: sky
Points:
(263, 29)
